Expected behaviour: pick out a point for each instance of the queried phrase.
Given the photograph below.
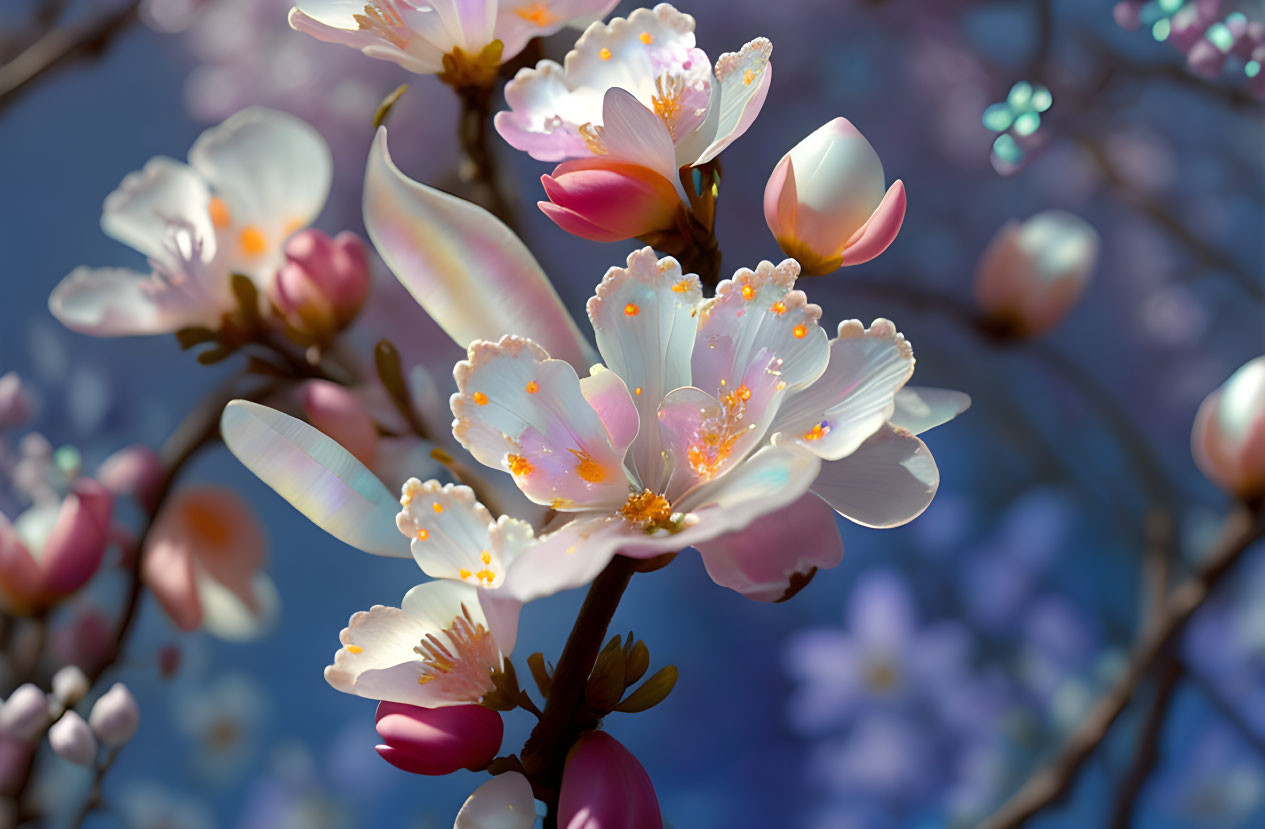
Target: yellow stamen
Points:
(485, 557)
(800, 331)
(631, 310)
(422, 535)
(647, 38)
(592, 136)
(681, 287)
(748, 77)
(519, 465)
(465, 574)
(480, 398)
(649, 509)
(386, 23)
(778, 308)
(604, 53)
(818, 431)
(355, 649)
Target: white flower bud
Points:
(25, 713)
(115, 717)
(70, 685)
(71, 738)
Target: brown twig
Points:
(1051, 783)
(62, 46)
(1145, 750)
(563, 718)
(479, 168)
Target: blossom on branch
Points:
(250, 183)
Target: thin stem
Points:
(1051, 783)
(1146, 750)
(565, 716)
(479, 168)
(61, 46)
(95, 799)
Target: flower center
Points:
(206, 524)
(716, 436)
(483, 576)
(649, 511)
(881, 676)
(383, 19)
(666, 101)
(463, 658)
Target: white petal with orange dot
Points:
(651, 348)
(141, 212)
(758, 310)
(551, 437)
(448, 532)
(856, 394)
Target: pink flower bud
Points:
(71, 738)
(1033, 272)
(25, 713)
(320, 288)
(74, 549)
(604, 787)
(134, 471)
(826, 204)
(606, 201)
(338, 413)
(1228, 439)
(114, 716)
(438, 740)
(16, 406)
(504, 802)
(15, 758)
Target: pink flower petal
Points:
(880, 230)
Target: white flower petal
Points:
(113, 302)
(449, 533)
(318, 477)
(742, 84)
(504, 802)
(520, 411)
(854, 397)
(920, 408)
(754, 316)
(643, 316)
(886, 482)
(271, 169)
(142, 211)
(631, 132)
(463, 266)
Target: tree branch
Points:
(1051, 783)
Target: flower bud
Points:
(134, 471)
(71, 738)
(75, 547)
(336, 412)
(320, 288)
(16, 406)
(1033, 272)
(1228, 439)
(70, 685)
(825, 201)
(25, 713)
(606, 201)
(114, 716)
(438, 740)
(504, 802)
(604, 787)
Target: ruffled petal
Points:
(450, 533)
(463, 265)
(318, 477)
(886, 482)
(643, 316)
(856, 394)
(141, 212)
(919, 408)
(755, 314)
(738, 93)
(775, 553)
(520, 411)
